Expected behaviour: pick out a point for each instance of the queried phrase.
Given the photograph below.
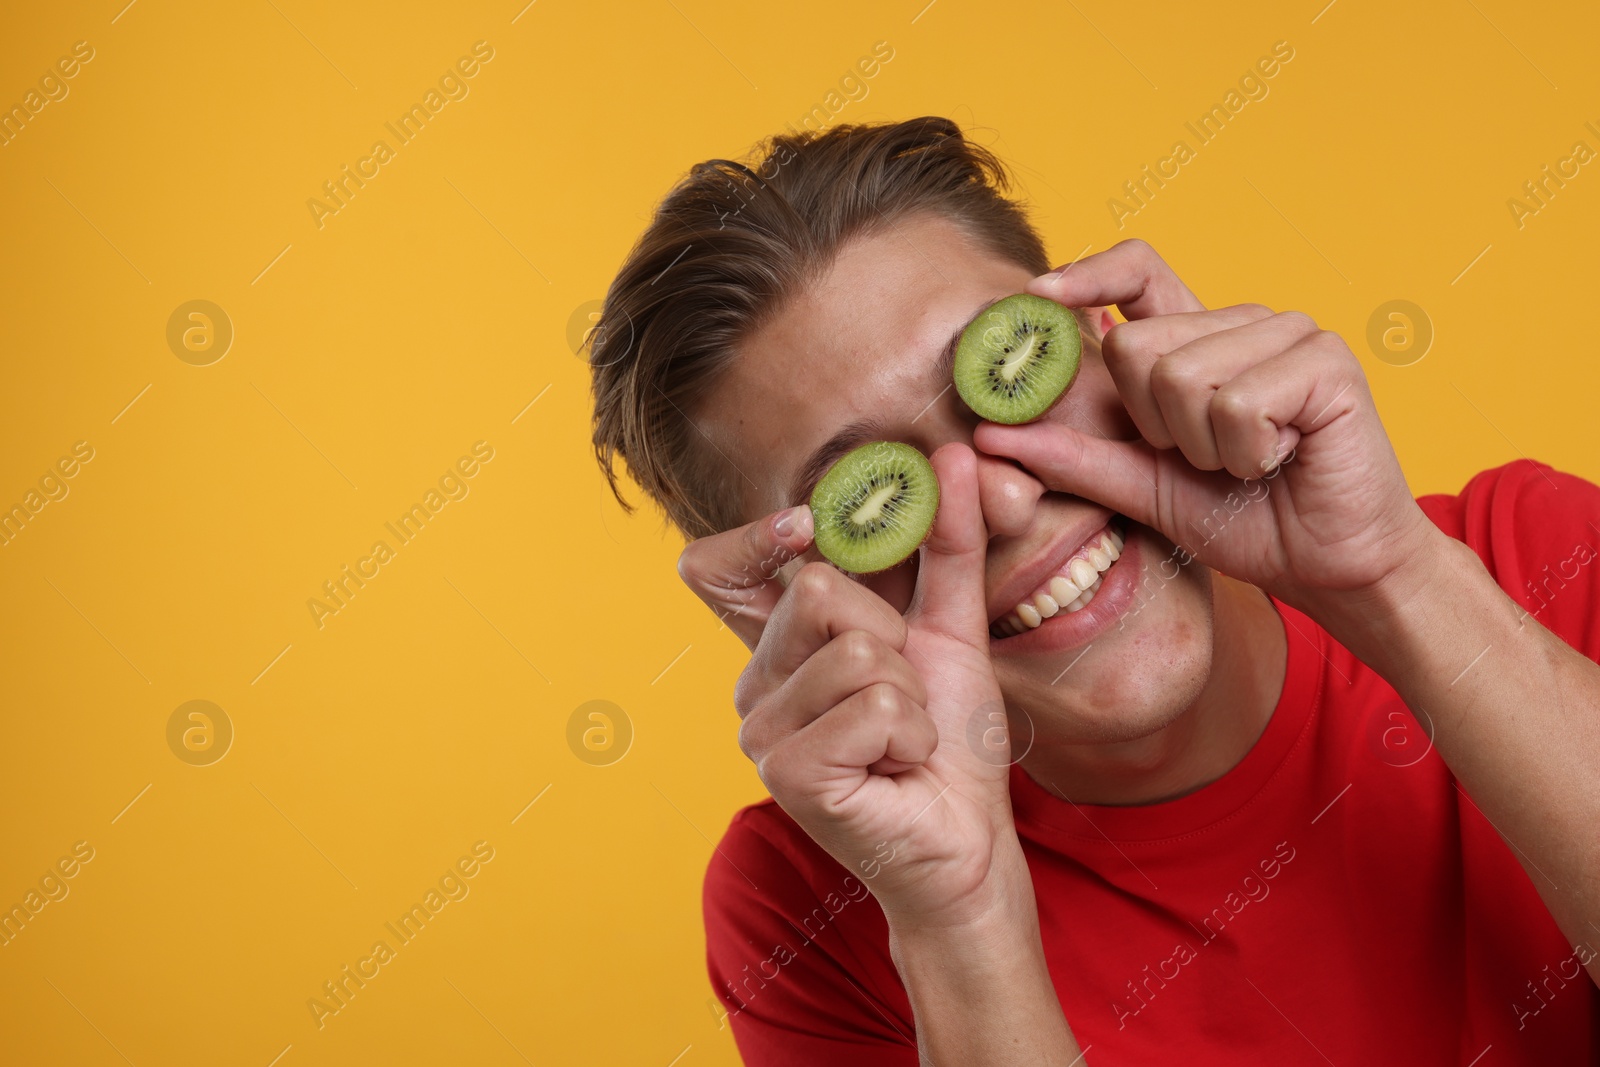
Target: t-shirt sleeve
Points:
(797, 950)
(1537, 531)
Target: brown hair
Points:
(726, 247)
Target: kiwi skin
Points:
(842, 489)
(976, 355)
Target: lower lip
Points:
(1064, 629)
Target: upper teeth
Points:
(1069, 589)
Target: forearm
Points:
(1514, 710)
(980, 990)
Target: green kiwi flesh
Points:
(1016, 359)
(874, 507)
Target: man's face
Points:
(862, 349)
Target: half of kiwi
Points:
(1016, 359)
(875, 506)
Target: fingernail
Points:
(796, 518)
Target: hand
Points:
(856, 717)
(1262, 454)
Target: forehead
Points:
(860, 342)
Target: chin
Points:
(1135, 678)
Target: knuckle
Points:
(691, 564)
(1233, 407)
(745, 696)
(1121, 341)
(1138, 246)
(883, 701)
(1175, 374)
(749, 741)
(860, 650)
(1320, 346)
(1331, 350)
(1329, 342)
(1297, 321)
(1254, 311)
(813, 582)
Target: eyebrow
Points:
(866, 430)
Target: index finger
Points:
(1129, 274)
(736, 572)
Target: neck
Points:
(1209, 737)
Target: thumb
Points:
(1120, 475)
(949, 597)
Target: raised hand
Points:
(1261, 452)
(857, 717)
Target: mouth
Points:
(1070, 588)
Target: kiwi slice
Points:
(875, 506)
(1016, 359)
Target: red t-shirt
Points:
(1335, 897)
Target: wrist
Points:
(992, 923)
(1384, 623)
(979, 984)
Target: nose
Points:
(1008, 495)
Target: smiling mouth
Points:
(1071, 588)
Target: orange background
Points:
(371, 352)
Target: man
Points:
(1311, 778)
